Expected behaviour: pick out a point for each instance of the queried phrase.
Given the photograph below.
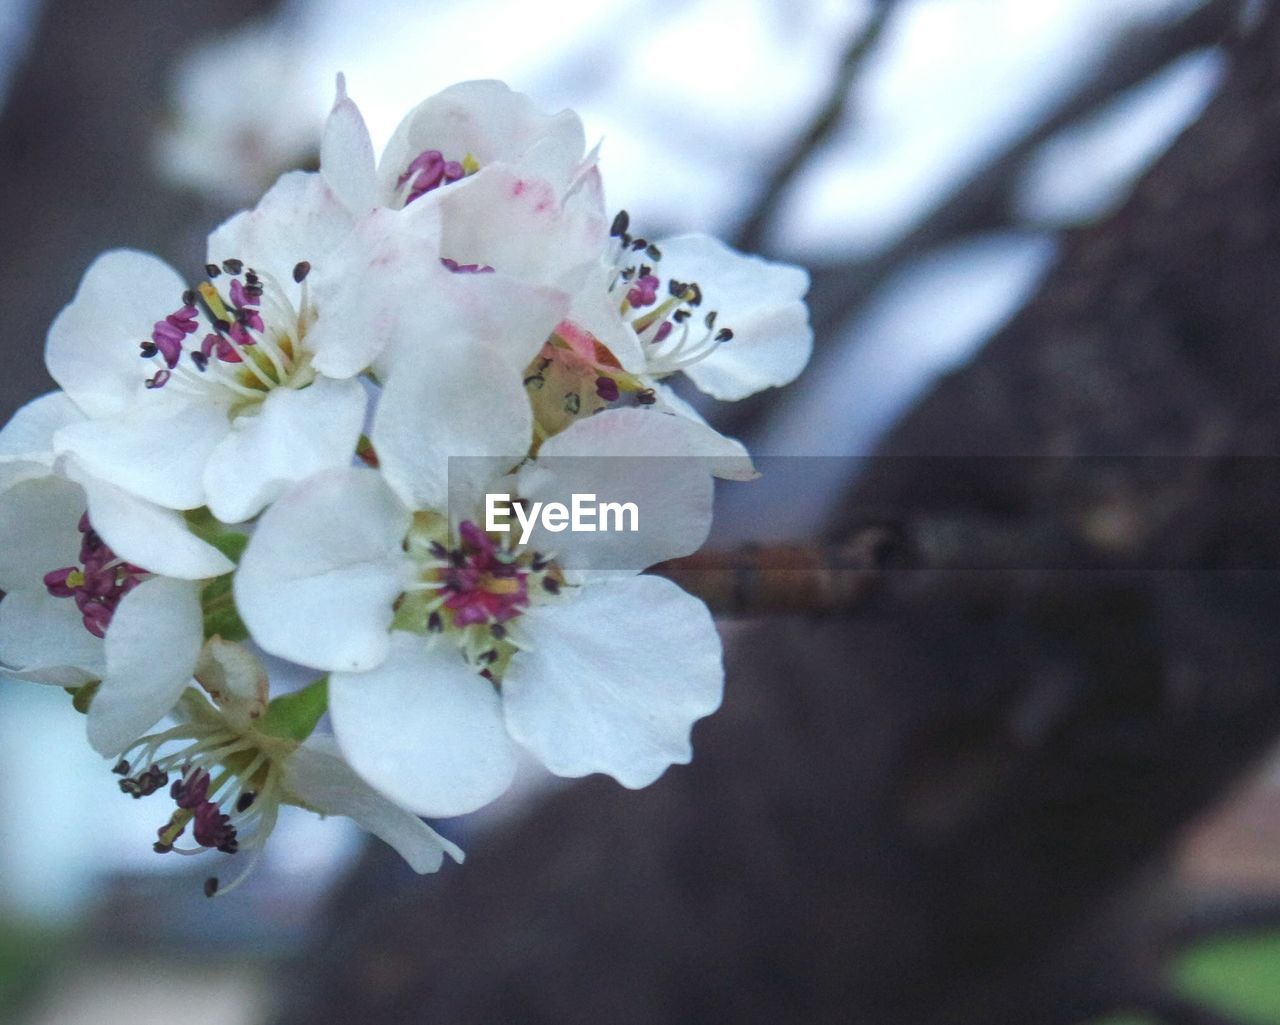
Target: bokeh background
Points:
(930, 161)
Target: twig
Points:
(825, 121)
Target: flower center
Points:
(228, 786)
(97, 582)
(576, 375)
(256, 341)
(668, 329)
(472, 591)
(429, 170)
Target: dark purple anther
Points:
(159, 380)
(192, 790)
(98, 583)
(212, 828)
(167, 335)
(465, 268)
(96, 618)
(240, 297)
(478, 582)
(644, 292)
(607, 389)
(216, 345)
(56, 582)
(663, 331)
(145, 783)
(429, 170)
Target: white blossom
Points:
(236, 764)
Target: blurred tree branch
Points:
(983, 201)
(828, 118)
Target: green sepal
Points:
(207, 527)
(82, 697)
(294, 716)
(221, 618)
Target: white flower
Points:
(445, 643)
(463, 129)
(99, 585)
(239, 758)
(734, 323)
(225, 409)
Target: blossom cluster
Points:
(289, 456)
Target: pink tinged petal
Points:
(456, 389)
(39, 525)
(325, 564)
(318, 778)
(346, 155)
(28, 435)
(650, 459)
(92, 347)
(761, 302)
(294, 434)
(43, 639)
(152, 647)
(145, 534)
(516, 224)
(489, 122)
(614, 679)
(424, 729)
(299, 219)
(157, 453)
(371, 293)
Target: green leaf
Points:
(1235, 975)
(221, 617)
(207, 527)
(294, 716)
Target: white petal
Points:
(613, 679)
(318, 777)
(146, 535)
(43, 638)
(761, 302)
(298, 219)
(39, 525)
(317, 582)
(455, 389)
(371, 290)
(636, 456)
(595, 309)
(515, 224)
(152, 646)
(92, 349)
(28, 436)
(290, 436)
(424, 728)
(346, 155)
(156, 453)
(488, 122)
(728, 457)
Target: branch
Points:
(825, 121)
